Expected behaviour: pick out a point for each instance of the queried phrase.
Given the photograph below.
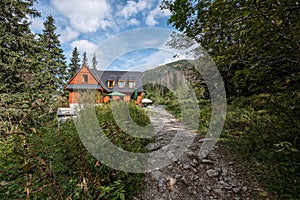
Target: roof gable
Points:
(76, 79)
(102, 78)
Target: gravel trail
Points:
(191, 177)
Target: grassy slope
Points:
(54, 164)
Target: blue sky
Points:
(124, 35)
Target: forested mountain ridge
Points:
(174, 75)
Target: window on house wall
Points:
(111, 83)
(85, 78)
(131, 84)
(121, 84)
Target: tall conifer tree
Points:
(17, 45)
(74, 65)
(21, 96)
(53, 58)
(84, 59)
(94, 61)
(24, 103)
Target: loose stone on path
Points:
(189, 176)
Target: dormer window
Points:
(111, 83)
(85, 78)
(121, 84)
(131, 84)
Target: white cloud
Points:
(133, 21)
(125, 23)
(87, 15)
(84, 46)
(87, 23)
(132, 8)
(143, 4)
(88, 47)
(154, 14)
(68, 34)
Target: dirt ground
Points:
(193, 177)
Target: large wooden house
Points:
(107, 85)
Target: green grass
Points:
(266, 143)
(262, 135)
(54, 164)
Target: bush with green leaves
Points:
(262, 131)
(54, 164)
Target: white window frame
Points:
(129, 83)
(121, 81)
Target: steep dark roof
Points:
(102, 77)
(105, 76)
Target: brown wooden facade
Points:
(102, 83)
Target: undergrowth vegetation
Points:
(262, 131)
(262, 134)
(264, 141)
(54, 164)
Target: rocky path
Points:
(191, 177)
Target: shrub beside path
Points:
(191, 177)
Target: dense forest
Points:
(254, 44)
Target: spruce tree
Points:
(53, 58)
(94, 61)
(74, 65)
(21, 98)
(84, 59)
(17, 45)
(24, 104)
